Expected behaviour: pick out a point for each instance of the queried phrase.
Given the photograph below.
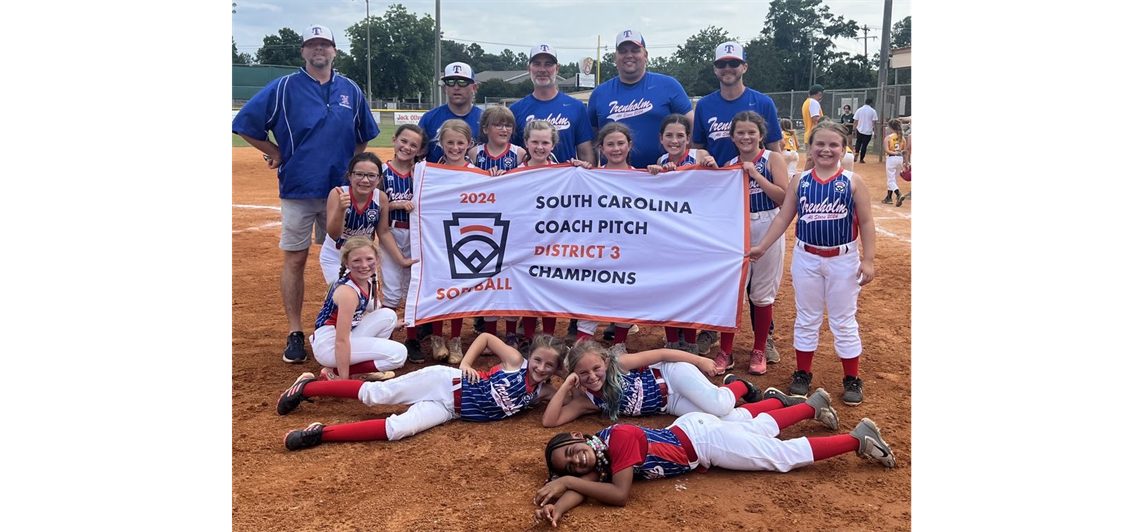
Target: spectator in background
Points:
(847, 119)
(811, 112)
(864, 119)
(320, 120)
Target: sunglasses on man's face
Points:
(457, 83)
(733, 63)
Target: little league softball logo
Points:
(476, 244)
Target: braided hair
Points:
(564, 439)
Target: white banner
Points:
(406, 118)
(562, 241)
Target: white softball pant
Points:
(688, 390)
(893, 168)
(428, 392)
(368, 341)
(589, 327)
(848, 161)
(744, 446)
(830, 284)
(767, 272)
(330, 260)
(394, 278)
(791, 157)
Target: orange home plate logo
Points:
(476, 244)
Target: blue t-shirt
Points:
(431, 122)
(713, 116)
(317, 128)
(641, 107)
(567, 114)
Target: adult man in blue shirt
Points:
(713, 113)
(320, 119)
(460, 87)
(567, 114)
(712, 132)
(637, 98)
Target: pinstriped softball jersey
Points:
(499, 394)
(826, 215)
(760, 201)
(329, 313)
(360, 221)
(652, 453)
(507, 160)
(640, 394)
(398, 187)
(688, 158)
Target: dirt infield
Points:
(470, 476)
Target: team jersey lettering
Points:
(559, 121)
(398, 187)
(718, 130)
(826, 215)
(635, 108)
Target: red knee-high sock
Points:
(410, 333)
(766, 405)
(548, 325)
(672, 334)
(790, 415)
(581, 336)
(737, 388)
(491, 326)
(621, 334)
(529, 325)
(804, 359)
(689, 335)
(455, 325)
(371, 430)
(343, 389)
(438, 328)
(726, 342)
(762, 325)
(850, 366)
(828, 446)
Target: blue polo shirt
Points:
(713, 116)
(431, 122)
(567, 114)
(640, 106)
(317, 128)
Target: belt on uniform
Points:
(688, 447)
(399, 225)
(457, 396)
(662, 385)
(827, 252)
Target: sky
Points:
(511, 23)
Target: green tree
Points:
(691, 63)
(282, 49)
(607, 66)
(237, 58)
(850, 71)
(795, 34)
(402, 53)
(900, 33)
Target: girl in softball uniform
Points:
(614, 142)
(356, 210)
(397, 182)
(495, 153)
(456, 137)
(894, 146)
(848, 159)
(603, 466)
(660, 381)
(768, 174)
(435, 394)
(351, 333)
(833, 209)
(790, 146)
(675, 137)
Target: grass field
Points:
(383, 139)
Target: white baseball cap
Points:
(459, 70)
(542, 49)
(318, 32)
(730, 50)
(632, 36)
